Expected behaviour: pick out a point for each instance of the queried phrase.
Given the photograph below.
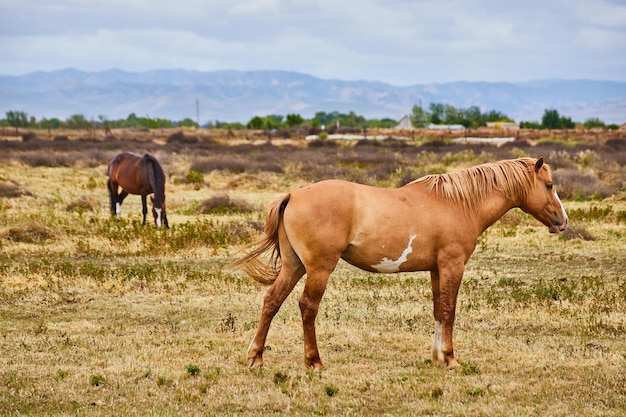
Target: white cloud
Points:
(398, 41)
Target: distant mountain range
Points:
(231, 96)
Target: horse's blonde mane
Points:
(514, 178)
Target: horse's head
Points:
(542, 201)
(158, 211)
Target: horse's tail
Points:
(156, 176)
(266, 271)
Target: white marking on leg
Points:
(158, 218)
(437, 343)
(118, 209)
(389, 265)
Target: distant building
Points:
(405, 124)
(445, 127)
(503, 125)
(622, 128)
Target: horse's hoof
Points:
(255, 363)
(316, 366)
(452, 364)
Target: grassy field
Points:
(106, 317)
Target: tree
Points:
(593, 122)
(530, 125)
(445, 113)
(274, 119)
(163, 123)
(472, 117)
(384, 123)
(77, 121)
(419, 117)
(566, 123)
(315, 123)
(294, 120)
(53, 123)
(496, 116)
(255, 123)
(187, 122)
(451, 115)
(550, 119)
(17, 119)
(436, 113)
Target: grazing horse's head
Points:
(542, 201)
(158, 211)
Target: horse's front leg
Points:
(287, 279)
(445, 286)
(118, 203)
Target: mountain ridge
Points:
(233, 95)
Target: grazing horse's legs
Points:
(115, 199)
(118, 205)
(290, 273)
(167, 226)
(144, 207)
(445, 286)
(122, 196)
(112, 196)
(437, 352)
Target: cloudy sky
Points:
(401, 42)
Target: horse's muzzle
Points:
(558, 226)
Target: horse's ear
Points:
(538, 164)
(152, 199)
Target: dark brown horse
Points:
(140, 175)
(431, 224)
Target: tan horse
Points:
(431, 224)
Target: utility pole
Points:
(198, 112)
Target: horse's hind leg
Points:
(290, 273)
(112, 196)
(144, 207)
(316, 282)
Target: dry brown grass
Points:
(105, 317)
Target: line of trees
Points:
(551, 119)
(320, 120)
(20, 119)
(472, 117)
(436, 113)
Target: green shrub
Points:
(194, 177)
(96, 380)
(224, 204)
(193, 370)
(331, 390)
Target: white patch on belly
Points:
(389, 265)
(118, 209)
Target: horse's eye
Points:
(549, 186)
